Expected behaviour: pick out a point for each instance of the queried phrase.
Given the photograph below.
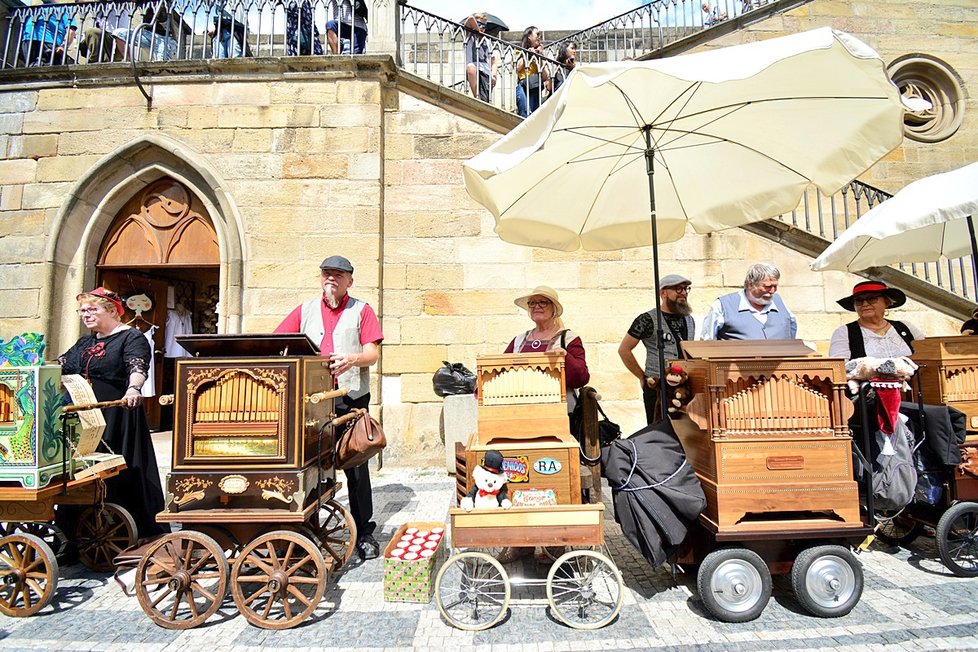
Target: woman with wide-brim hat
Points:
(872, 334)
(549, 334)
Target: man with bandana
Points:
(348, 333)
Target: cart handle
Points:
(326, 395)
(70, 409)
(166, 399)
(353, 414)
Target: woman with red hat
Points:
(872, 334)
(114, 358)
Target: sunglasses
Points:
(538, 304)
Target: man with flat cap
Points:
(348, 333)
(678, 326)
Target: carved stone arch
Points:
(86, 216)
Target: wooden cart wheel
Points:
(28, 575)
(827, 580)
(47, 532)
(337, 533)
(278, 579)
(182, 579)
(585, 589)
(472, 591)
(957, 539)
(898, 530)
(734, 584)
(102, 533)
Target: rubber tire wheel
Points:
(901, 531)
(962, 514)
(816, 570)
(720, 572)
(501, 578)
(601, 571)
(27, 551)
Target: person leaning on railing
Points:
(481, 60)
(97, 43)
(160, 33)
(531, 80)
(47, 36)
(567, 58)
(349, 30)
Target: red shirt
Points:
(369, 325)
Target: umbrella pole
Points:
(974, 253)
(659, 340)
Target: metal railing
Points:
(99, 32)
(444, 51)
(828, 216)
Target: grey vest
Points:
(742, 325)
(670, 346)
(346, 339)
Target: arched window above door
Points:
(164, 224)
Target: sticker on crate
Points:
(517, 468)
(409, 562)
(534, 497)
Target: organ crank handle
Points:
(350, 416)
(81, 407)
(323, 396)
(166, 399)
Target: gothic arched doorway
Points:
(162, 244)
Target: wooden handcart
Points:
(252, 486)
(523, 414)
(948, 376)
(42, 469)
(766, 432)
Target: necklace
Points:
(536, 343)
(880, 331)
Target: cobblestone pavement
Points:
(910, 602)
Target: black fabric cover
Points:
(656, 494)
(944, 431)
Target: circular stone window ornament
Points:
(920, 76)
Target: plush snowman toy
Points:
(490, 485)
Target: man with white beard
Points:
(348, 333)
(754, 313)
(678, 326)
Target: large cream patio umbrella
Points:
(929, 218)
(627, 154)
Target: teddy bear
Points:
(679, 393)
(490, 485)
(970, 327)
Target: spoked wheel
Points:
(957, 539)
(182, 580)
(472, 591)
(337, 533)
(102, 533)
(278, 579)
(898, 530)
(585, 589)
(28, 575)
(734, 584)
(827, 580)
(47, 532)
(553, 553)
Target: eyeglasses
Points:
(87, 311)
(538, 304)
(871, 299)
(681, 289)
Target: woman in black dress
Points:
(114, 358)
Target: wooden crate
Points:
(561, 525)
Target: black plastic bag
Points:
(453, 378)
